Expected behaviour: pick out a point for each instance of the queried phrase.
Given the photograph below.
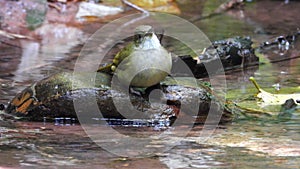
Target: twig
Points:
(144, 15)
(134, 6)
(145, 12)
(13, 36)
(8, 44)
(54, 6)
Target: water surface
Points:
(244, 143)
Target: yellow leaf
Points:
(273, 99)
(150, 3)
(168, 6)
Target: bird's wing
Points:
(124, 53)
(106, 68)
(119, 57)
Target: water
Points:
(244, 143)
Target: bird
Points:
(144, 62)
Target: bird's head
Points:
(145, 38)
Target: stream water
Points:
(243, 143)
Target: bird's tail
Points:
(105, 68)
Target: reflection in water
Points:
(242, 144)
(29, 60)
(38, 57)
(59, 39)
(192, 155)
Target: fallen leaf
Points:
(90, 9)
(274, 99)
(167, 6)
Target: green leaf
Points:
(34, 18)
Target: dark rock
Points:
(223, 54)
(287, 108)
(68, 95)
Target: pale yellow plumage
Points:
(142, 63)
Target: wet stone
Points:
(55, 97)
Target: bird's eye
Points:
(139, 36)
